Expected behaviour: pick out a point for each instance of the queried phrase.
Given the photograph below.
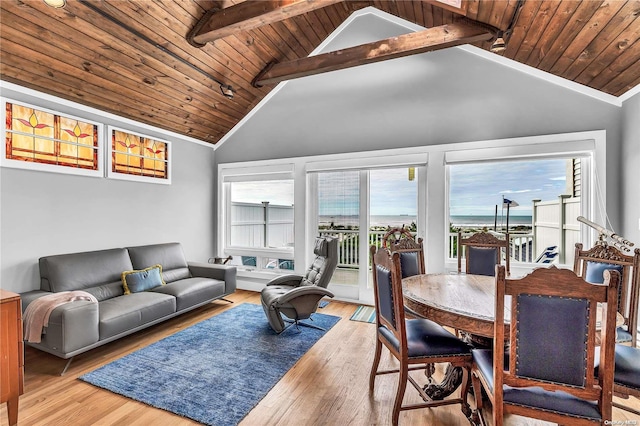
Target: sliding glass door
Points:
(339, 216)
(393, 203)
(358, 207)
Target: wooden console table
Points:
(11, 353)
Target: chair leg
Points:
(374, 367)
(402, 386)
(498, 413)
(477, 392)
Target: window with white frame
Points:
(535, 199)
(259, 219)
(575, 164)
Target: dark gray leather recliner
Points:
(297, 297)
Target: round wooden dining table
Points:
(465, 302)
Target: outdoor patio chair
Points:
(547, 255)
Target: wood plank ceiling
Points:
(132, 57)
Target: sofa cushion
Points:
(145, 279)
(80, 271)
(169, 255)
(130, 311)
(106, 291)
(192, 291)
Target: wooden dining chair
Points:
(626, 375)
(411, 251)
(591, 264)
(415, 343)
(482, 252)
(548, 370)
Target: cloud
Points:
(519, 191)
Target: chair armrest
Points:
(289, 279)
(306, 290)
(226, 273)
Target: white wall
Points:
(630, 161)
(52, 213)
(448, 96)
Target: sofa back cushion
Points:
(97, 272)
(169, 255)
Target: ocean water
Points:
(394, 221)
(490, 220)
(406, 220)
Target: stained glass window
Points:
(37, 136)
(138, 156)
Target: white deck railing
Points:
(348, 255)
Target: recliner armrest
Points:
(226, 273)
(289, 279)
(305, 290)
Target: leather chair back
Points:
(321, 270)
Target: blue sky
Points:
(475, 189)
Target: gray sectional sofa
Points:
(79, 326)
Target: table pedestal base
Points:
(448, 385)
(453, 377)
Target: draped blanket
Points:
(36, 316)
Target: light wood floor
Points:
(328, 386)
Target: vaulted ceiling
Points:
(138, 58)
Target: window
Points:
(138, 157)
(537, 201)
(356, 195)
(265, 223)
(260, 221)
(44, 140)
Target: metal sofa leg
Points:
(64, 370)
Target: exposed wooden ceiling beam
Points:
(219, 23)
(428, 40)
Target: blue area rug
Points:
(215, 371)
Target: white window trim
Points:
(240, 172)
(28, 165)
(585, 144)
(433, 199)
(135, 178)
